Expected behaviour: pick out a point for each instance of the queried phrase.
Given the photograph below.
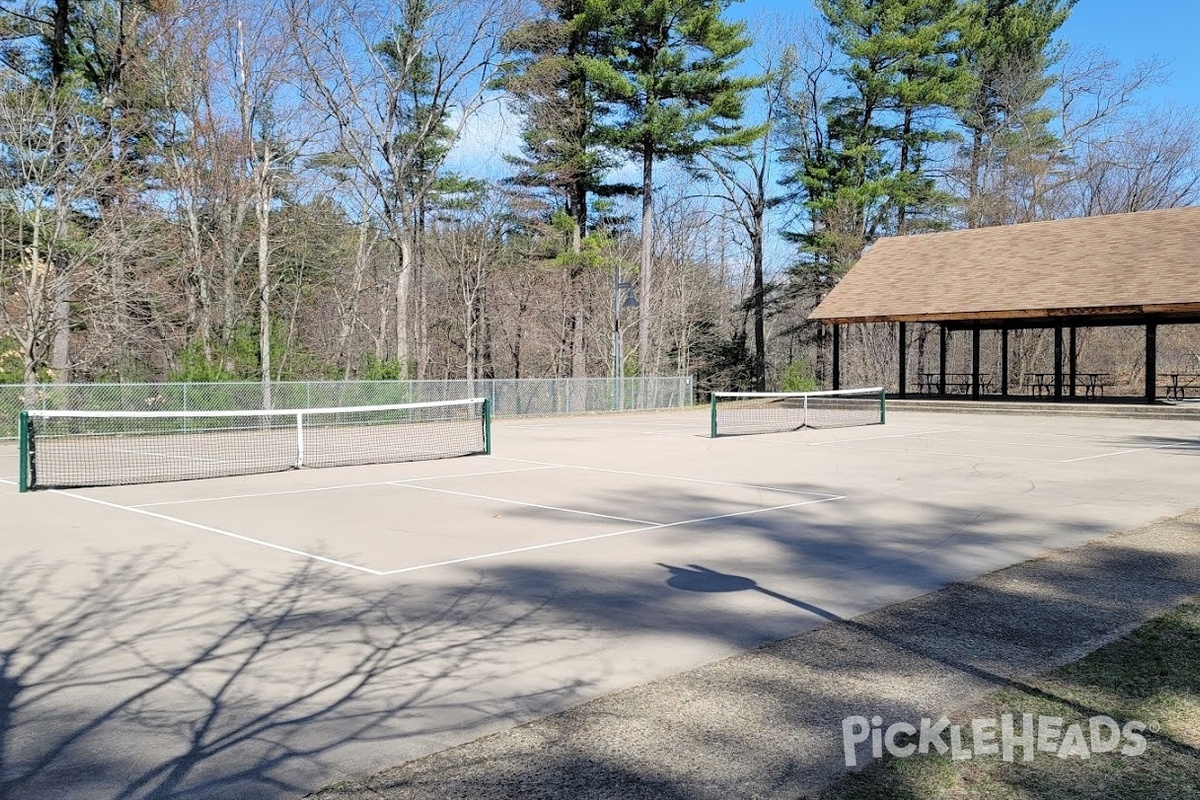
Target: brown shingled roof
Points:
(1122, 264)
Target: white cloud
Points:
(490, 134)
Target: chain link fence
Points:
(510, 397)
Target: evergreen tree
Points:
(668, 69)
(905, 78)
(562, 149)
(1008, 46)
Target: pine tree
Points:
(905, 79)
(562, 150)
(668, 70)
(1008, 46)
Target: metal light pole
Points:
(630, 301)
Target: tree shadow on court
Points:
(1176, 444)
(770, 720)
(127, 678)
(877, 557)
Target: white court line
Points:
(698, 431)
(582, 539)
(1010, 444)
(219, 532)
(683, 423)
(696, 422)
(670, 477)
(172, 456)
(448, 562)
(1185, 445)
(876, 438)
(331, 488)
(406, 485)
(943, 453)
(609, 424)
(613, 419)
(1016, 432)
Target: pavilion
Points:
(1136, 269)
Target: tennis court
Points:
(327, 622)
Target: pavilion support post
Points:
(1004, 362)
(975, 363)
(1151, 361)
(942, 362)
(1058, 362)
(903, 359)
(1073, 358)
(837, 356)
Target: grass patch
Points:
(1150, 676)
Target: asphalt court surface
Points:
(567, 565)
(424, 518)
(1061, 448)
(399, 518)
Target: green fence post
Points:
(23, 451)
(712, 422)
(487, 426)
(883, 406)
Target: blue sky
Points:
(1134, 31)
(1129, 30)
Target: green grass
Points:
(1151, 675)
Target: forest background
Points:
(381, 189)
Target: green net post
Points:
(23, 436)
(712, 424)
(883, 406)
(487, 426)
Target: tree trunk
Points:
(263, 212)
(906, 131)
(975, 180)
(578, 208)
(234, 220)
(60, 358)
(487, 369)
(645, 363)
(760, 330)
(420, 323)
(403, 293)
(350, 312)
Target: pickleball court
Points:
(577, 528)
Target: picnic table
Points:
(956, 383)
(1177, 384)
(1041, 382)
(1092, 383)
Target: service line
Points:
(626, 532)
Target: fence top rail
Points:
(259, 412)
(399, 382)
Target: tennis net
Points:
(65, 449)
(737, 413)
